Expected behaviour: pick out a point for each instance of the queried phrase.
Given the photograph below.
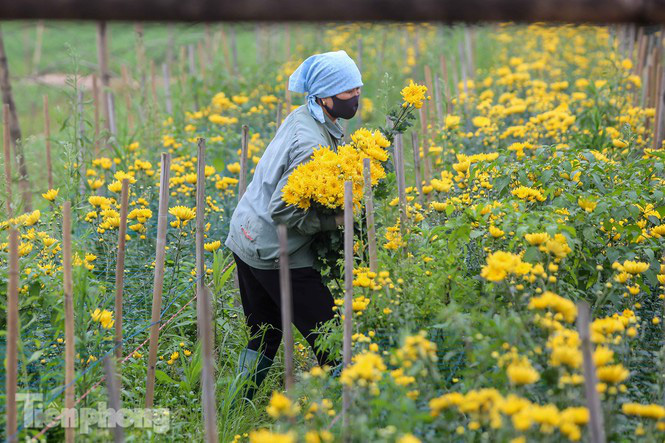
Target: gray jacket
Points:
(253, 228)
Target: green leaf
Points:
(163, 377)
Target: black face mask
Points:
(345, 109)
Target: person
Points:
(333, 83)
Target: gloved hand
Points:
(339, 218)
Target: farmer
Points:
(332, 82)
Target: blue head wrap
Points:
(325, 75)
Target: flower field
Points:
(534, 181)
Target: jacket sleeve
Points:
(306, 222)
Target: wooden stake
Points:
(113, 389)
(158, 283)
(8, 159)
(287, 307)
(416, 165)
(203, 305)
(596, 429)
(69, 316)
(167, 88)
(369, 211)
(242, 183)
(47, 140)
(348, 300)
(120, 273)
(12, 338)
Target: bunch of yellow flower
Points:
(281, 405)
(366, 370)
(105, 318)
(266, 436)
(183, 214)
(321, 179)
(500, 264)
(416, 347)
(561, 305)
(414, 95)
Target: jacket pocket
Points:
(248, 236)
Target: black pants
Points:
(260, 294)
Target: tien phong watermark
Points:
(86, 419)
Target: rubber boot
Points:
(250, 373)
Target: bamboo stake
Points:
(153, 84)
(80, 147)
(278, 115)
(104, 75)
(14, 129)
(37, 55)
(128, 97)
(348, 300)
(120, 273)
(167, 89)
(446, 84)
(110, 100)
(430, 90)
(203, 305)
(159, 277)
(287, 93)
(202, 63)
(463, 70)
(225, 50)
(401, 186)
(438, 100)
(8, 156)
(369, 210)
(242, 183)
(660, 109)
(95, 101)
(453, 72)
(416, 165)
(287, 42)
(113, 389)
(427, 169)
(69, 317)
(596, 429)
(140, 63)
(12, 338)
(469, 51)
(287, 306)
(47, 142)
(234, 51)
(190, 59)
